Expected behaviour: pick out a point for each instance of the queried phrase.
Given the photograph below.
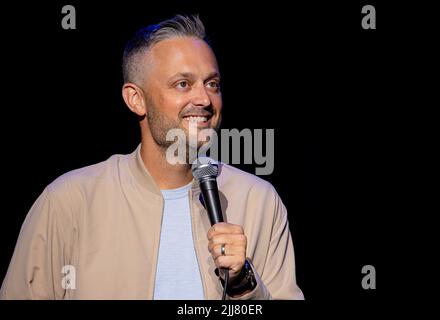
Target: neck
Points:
(166, 175)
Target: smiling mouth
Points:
(197, 119)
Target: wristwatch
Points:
(245, 281)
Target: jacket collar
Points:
(144, 178)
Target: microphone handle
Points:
(212, 204)
(211, 199)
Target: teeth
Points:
(197, 119)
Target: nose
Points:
(201, 97)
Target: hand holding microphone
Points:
(227, 245)
(227, 242)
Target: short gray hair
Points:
(145, 38)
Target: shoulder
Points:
(77, 183)
(232, 177)
(245, 192)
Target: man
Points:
(133, 226)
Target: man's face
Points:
(182, 84)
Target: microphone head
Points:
(204, 168)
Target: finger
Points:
(224, 227)
(214, 246)
(233, 263)
(236, 239)
(230, 250)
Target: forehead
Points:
(182, 54)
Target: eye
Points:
(213, 84)
(182, 84)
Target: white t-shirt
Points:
(178, 275)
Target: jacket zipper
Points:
(195, 243)
(157, 251)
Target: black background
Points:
(330, 89)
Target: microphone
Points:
(205, 171)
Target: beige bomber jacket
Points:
(99, 227)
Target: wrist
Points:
(244, 282)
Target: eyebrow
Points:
(190, 75)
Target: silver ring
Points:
(222, 249)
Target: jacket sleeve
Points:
(278, 281)
(35, 269)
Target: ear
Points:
(134, 98)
